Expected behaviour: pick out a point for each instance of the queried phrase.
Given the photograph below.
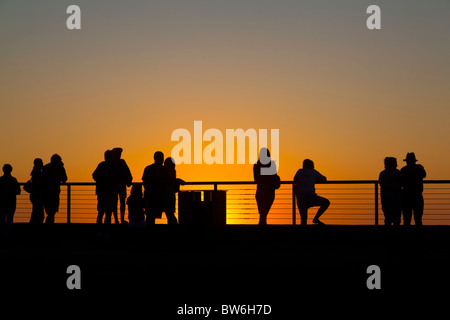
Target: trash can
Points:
(211, 212)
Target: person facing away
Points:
(36, 194)
(124, 180)
(171, 187)
(304, 184)
(53, 174)
(267, 181)
(391, 192)
(153, 181)
(106, 182)
(412, 181)
(9, 189)
(136, 207)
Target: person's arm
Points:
(127, 172)
(424, 173)
(295, 181)
(17, 186)
(256, 173)
(95, 173)
(63, 175)
(320, 178)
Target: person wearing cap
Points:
(412, 182)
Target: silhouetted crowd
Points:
(401, 190)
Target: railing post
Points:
(376, 203)
(293, 205)
(68, 203)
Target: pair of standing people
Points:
(267, 181)
(401, 191)
(45, 188)
(160, 186)
(112, 176)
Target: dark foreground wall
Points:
(163, 271)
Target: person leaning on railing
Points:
(267, 181)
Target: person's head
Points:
(109, 155)
(117, 152)
(7, 168)
(390, 163)
(264, 155)
(38, 163)
(410, 159)
(159, 158)
(136, 190)
(308, 164)
(169, 163)
(56, 159)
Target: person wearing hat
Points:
(412, 182)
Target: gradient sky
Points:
(340, 94)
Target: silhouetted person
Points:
(171, 186)
(391, 192)
(304, 183)
(412, 180)
(53, 174)
(36, 194)
(267, 181)
(153, 181)
(106, 184)
(9, 189)
(125, 180)
(136, 207)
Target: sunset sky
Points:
(340, 94)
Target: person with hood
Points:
(304, 185)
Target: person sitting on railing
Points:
(391, 192)
(304, 181)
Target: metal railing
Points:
(352, 202)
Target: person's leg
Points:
(324, 204)
(264, 201)
(50, 217)
(122, 202)
(171, 219)
(385, 206)
(10, 217)
(261, 203)
(418, 210)
(303, 209)
(407, 213)
(2, 222)
(122, 208)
